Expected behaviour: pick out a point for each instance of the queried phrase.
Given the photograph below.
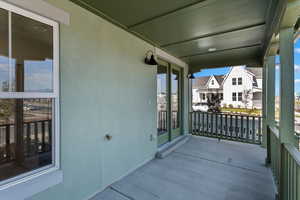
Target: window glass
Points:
(175, 104)
(162, 100)
(233, 96)
(25, 135)
(240, 96)
(4, 50)
(233, 81)
(240, 81)
(297, 85)
(30, 68)
(277, 89)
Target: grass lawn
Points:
(242, 111)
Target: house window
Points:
(234, 96)
(240, 81)
(212, 82)
(203, 96)
(29, 96)
(240, 96)
(233, 81)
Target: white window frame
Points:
(43, 172)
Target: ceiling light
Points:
(212, 49)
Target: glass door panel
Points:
(175, 103)
(162, 105)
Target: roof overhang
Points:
(202, 33)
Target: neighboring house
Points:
(240, 87)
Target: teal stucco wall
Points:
(105, 89)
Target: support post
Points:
(287, 98)
(270, 91)
(264, 109)
(269, 102)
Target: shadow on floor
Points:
(201, 169)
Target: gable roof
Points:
(256, 71)
(201, 82)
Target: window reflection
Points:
(30, 68)
(162, 99)
(25, 135)
(175, 99)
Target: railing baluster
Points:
(28, 133)
(199, 124)
(242, 127)
(253, 129)
(203, 125)
(221, 129)
(7, 142)
(247, 129)
(236, 128)
(226, 126)
(43, 136)
(216, 125)
(230, 129)
(259, 130)
(211, 123)
(36, 137)
(207, 123)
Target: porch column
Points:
(287, 99)
(270, 91)
(264, 108)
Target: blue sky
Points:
(224, 70)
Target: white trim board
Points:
(42, 8)
(167, 57)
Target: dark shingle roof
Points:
(200, 82)
(256, 71)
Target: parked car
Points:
(200, 107)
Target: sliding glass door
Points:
(168, 102)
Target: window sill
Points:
(32, 185)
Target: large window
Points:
(240, 81)
(240, 96)
(233, 81)
(234, 96)
(28, 94)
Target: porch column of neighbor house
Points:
(287, 99)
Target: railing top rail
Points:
(274, 130)
(26, 122)
(233, 114)
(293, 151)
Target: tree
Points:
(214, 103)
(246, 97)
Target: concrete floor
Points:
(201, 169)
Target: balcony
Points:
(202, 168)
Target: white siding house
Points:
(240, 87)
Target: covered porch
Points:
(202, 168)
(122, 100)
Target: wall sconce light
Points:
(191, 76)
(150, 60)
